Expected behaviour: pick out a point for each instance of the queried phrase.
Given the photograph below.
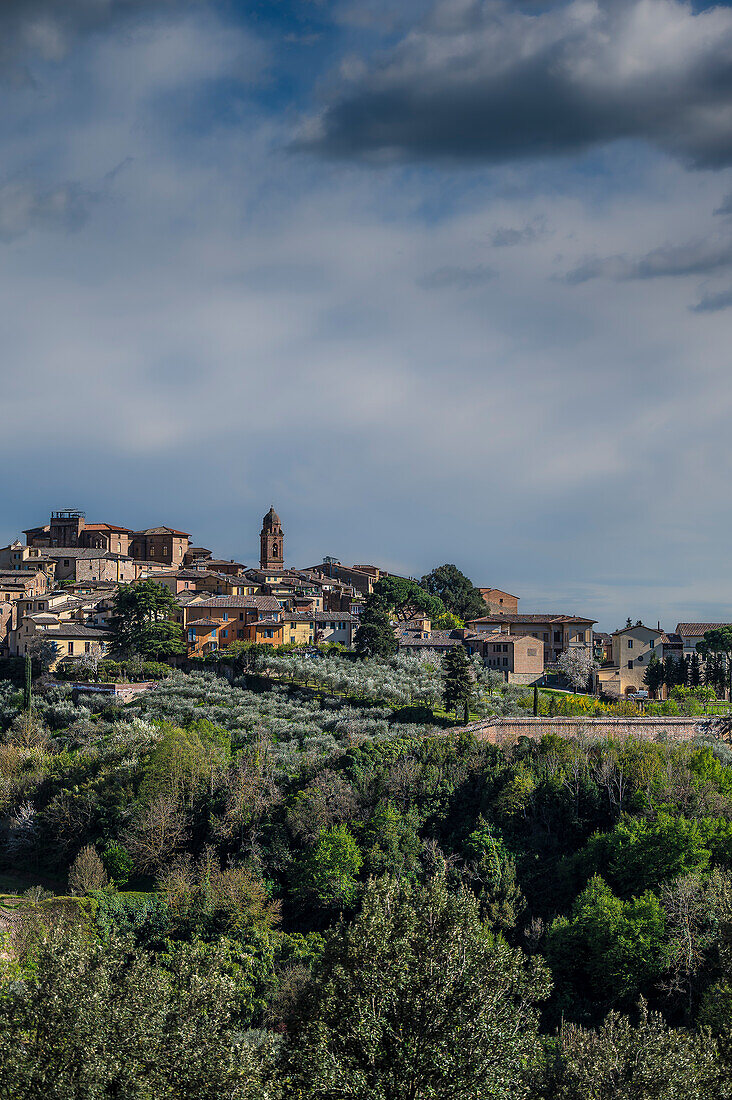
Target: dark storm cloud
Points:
(694, 258)
(457, 278)
(486, 82)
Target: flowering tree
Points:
(577, 665)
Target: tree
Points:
(719, 643)
(329, 875)
(157, 832)
(493, 871)
(577, 665)
(607, 952)
(43, 652)
(459, 682)
(375, 636)
(646, 1060)
(653, 675)
(141, 621)
(28, 685)
(417, 999)
(95, 1020)
(407, 598)
(670, 671)
(456, 591)
(694, 671)
(91, 661)
(87, 872)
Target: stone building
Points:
(271, 543)
(69, 528)
(164, 545)
(557, 632)
(499, 602)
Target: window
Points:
(240, 633)
(225, 633)
(241, 615)
(505, 660)
(557, 635)
(630, 664)
(630, 643)
(66, 561)
(71, 649)
(640, 660)
(225, 616)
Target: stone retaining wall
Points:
(651, 729)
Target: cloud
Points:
(695, 258)
(24, 205)
(725, 206)
(481, 81)
(457, 278)
(712, 303)
(508, 236)
(45, 29)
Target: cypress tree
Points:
(28, 686)
(458, 680)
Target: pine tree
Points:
(375, 636)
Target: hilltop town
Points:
(59, 585)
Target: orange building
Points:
(219, 622)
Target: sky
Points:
(443, 281)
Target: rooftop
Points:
(695, 630)
(262, 603)
(547, 617)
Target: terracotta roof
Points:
(320, 617)
(693, 630)
(638, 626)
(203, 622)
(262, 603)
(163, 531)
(549, 617)
(105, 527)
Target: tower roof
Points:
(271, 519)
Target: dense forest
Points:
(310, 887)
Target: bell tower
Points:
(271, 540)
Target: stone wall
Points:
(498, 730)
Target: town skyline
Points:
(533, 598)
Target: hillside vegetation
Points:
(315, 888)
